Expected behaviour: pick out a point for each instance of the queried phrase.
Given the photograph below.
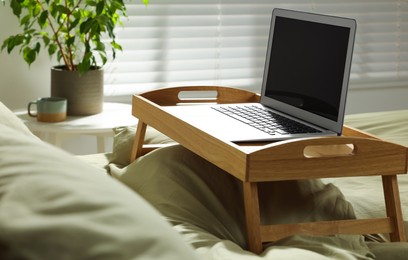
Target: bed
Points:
(171, 204)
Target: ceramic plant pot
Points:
(84, 93)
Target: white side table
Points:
(99, 125)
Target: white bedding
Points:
(53, 206)
(204, 204)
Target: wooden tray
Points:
(355, 153)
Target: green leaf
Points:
(62, 9)
(42, 20)
(88, 56)
(100, 46)
(95, 28)
(93, 61)
(86, 26)
(74, 24)
(46, 39)
(110, 29)
(103, 58)
(12, 42)
(70, 2)
(113, 54)
(25, 21)
(36, 10)
(59, 55)
(37, 47)
(87, 49)
(52, 49)
(116, 46)
(53, 9)
(18, 39)
(9, 42)
(70, 40)
(77, 14)
(5, 43)
(117, 5)
(85, 64)
(16, 6)
(80, 68)
(91, 3)
(101, 21)
(32, 32)
(99, 7)
(29, 55)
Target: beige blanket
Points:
(205, 205)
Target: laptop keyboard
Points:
(265, 120)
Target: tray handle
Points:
(210, 94)
(327, 157)
(330, 147)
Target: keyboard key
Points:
(265, 120)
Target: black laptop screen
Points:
(306, 65)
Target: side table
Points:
(98, 125)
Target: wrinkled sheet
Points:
(204, 204)
(210, 217)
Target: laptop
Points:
(305, 80)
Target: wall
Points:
(19, 84)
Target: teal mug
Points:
(48, 109)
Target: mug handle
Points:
(29, 107)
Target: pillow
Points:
(53, 206)
(123, 142)
(8, 118)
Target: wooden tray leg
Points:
(137, 148)
(252, 217)
(393, 207)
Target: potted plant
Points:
(75, 32)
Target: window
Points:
(223, 42)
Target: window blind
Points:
(223, 42)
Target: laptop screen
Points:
(308, 63)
